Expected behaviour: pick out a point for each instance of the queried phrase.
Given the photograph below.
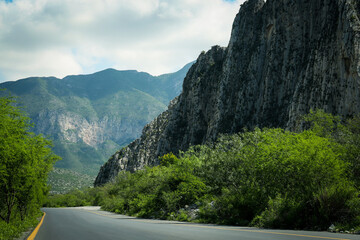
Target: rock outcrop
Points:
(72, 127)
(284, 58)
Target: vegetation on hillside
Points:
(269, 178)
(62, 181)
(25, 160)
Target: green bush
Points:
(85, 197)
(9, 231)
(156, 192)
(336, 204)
(244, 171)
(281, 212)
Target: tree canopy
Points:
(25, 160)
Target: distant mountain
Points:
(89, 117)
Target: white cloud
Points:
(61, 37)
(47, 62)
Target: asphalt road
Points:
(89, 223)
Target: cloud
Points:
(62, 37)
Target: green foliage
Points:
(168, 159)
(279, 213)
(76, 197)
(25, 160)
(73, 199)
(323, 124)
(267, 178)
(350, 138)
(9, 231)
(346, 133)
(335, 204)
(243, 171)
(155, 192)
(338, 204)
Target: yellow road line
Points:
(231, 229)
(33, 234)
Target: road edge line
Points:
(33, 234)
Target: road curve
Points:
(87, 223)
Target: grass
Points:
(16, 228)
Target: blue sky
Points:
(63, 37)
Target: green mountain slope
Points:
(89, 117)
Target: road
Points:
(87, 223)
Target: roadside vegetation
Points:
(25, 160)
(270, 178)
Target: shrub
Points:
(281, 212)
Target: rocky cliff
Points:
(284, 58)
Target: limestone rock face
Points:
(284, 58)
(72, 127)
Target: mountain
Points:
(283, 59)
(88, 117)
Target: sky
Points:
(69, 37)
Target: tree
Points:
(25, 160)
(346, 133)
(351, 140)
